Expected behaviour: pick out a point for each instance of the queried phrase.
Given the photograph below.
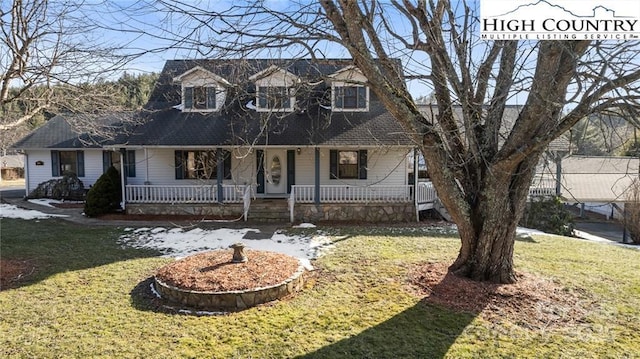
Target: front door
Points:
(275, 170)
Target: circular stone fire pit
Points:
(213, 280)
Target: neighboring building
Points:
(597, 183)
(11, 167)
(288, 139)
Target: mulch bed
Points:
(533, 302)
(13, 271)
(213, 271)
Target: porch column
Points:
(123, 178)
(219, 174)
(317, 176)
(27, 189)
(415, 183)
(558, 176)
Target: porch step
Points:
(269, 210)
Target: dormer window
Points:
(275, 98)
(199, 97)
(349, 90)
(202, 90)
(350, 97)
(275, 90)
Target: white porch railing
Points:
(183, 193)
(425, 193)
(352, 194)
(541, 192)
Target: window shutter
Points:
(80, 163)
(55, 164)
(178, 165)
(362, 163)
(362, 97)
(130, 165)
(227, 164)
(291, 169)
(262, 97)
(333, 164)
(106, 161)
(260, 171)
(187, 99)
(211, 97)
(338, 97)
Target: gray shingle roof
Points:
(72, 131)
(238, 123)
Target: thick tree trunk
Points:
(488, 234)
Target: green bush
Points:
(632, 212)
(105, 195)
(548, 214)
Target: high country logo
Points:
(560, 20)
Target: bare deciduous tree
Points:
(49, 52)
(481, 166)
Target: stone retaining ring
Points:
(231, 300)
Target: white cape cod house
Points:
(297, 140)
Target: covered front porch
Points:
(303, 203)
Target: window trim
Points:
(334, 164)
(181, 170)
(190, 87)
(340, 86)
(260, 97)
(56, 163)
(129, 162)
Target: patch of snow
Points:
(590, 237)
(178, 243)
(523, 231)
(154, 291)
(11, 211)
(198, 312)
(305, 225)
(48, 202)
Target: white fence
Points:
(351, 194)
(183, 194)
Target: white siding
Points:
(384, 167)
(39, 174)
(93, 167)
(141, 169)
(161, 169)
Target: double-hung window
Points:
(201, 164)
(63, 162)
(350, 98)
(275, 98)
(348, 164)
(199, 98)
(112, 158)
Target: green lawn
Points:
(83, 302)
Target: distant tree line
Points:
(129, 92)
